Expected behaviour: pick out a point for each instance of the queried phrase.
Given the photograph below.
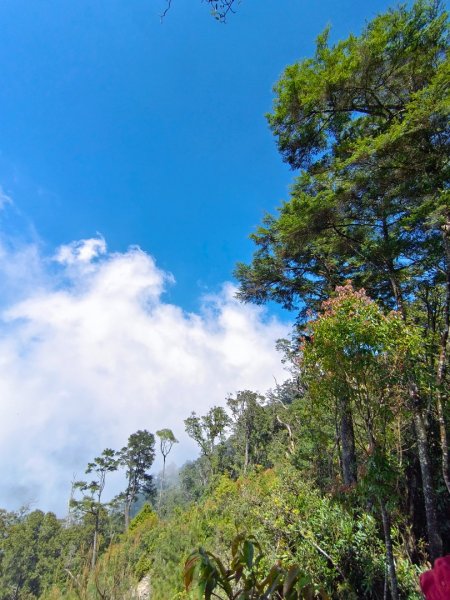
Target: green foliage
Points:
(358, 349)
(90, 505)
(137, 457)
(292, 522)
(31, 553)
(338, 548)
(244, 580)
(251, 429)
(146, 516)
(360, 86)
(367, 122)
(192, 480)
(167, 440)
(208, 432)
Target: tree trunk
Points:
(434, 538)
(127, 514)
(349, 473)
(162, 481)
(398, 294)
(392, 575)
(94, 547)
(392, 274)
(443, 440)
(442, 363)
(246, 455)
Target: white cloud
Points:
(81, 251)
(90, 352)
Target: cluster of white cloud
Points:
(90, 352)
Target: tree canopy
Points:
(366, 122)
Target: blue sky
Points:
(135, 160)
(152, 134)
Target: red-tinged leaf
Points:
(290, 579)
(238, 573)
(236, 543)
(277, 581)
(309, 592)
(274, 571)
(189, 569)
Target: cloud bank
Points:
(90, 352)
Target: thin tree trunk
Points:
(442, 363)
(443, 440)
(246, 455)
(392, 274)
(434, 538)
(162, 481)
(94, 547)
(398, 294)
(347, 434)
(127, 514)
(291, 437)
(392, 575)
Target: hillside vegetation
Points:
(336, 483)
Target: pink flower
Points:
(435, 584)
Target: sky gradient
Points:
(152, 133)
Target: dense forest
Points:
(336, 482)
